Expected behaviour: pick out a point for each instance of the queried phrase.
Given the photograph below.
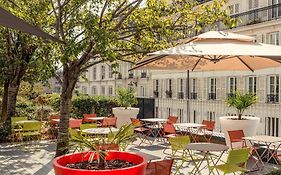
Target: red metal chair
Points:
(172, 119)
(109, 122)
(236, 136)
(75, 123)
(87, 116)
(52, 121)
(143, 132)
(161, 167)
(206, 131)
(169, 130)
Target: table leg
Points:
(215, 163)
(271, 153)
(196, 168)
(259, 157)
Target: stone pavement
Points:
(35, 158)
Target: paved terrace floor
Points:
(35, 158)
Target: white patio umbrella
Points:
(215, 50)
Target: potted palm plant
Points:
(97, 160)
(126, 99)
(241, 102)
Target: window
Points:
(233, 9)
(103, 90)
(273, 38)
(253, 4)
(272, 126)
(84, 89)
(142, 91)
(102, 72)
(110, 90)
(252, 85)
(143, 74)
(194, 116)
(94, 73)
(193, 93)
(156, 88)
(275, 11)
(212, 88)
(169, 88)
(232, 85)
(180, 114)
(110, 72)
(211, 115)
(169, 111)
(156, 112)
(180, 89)
(94, 90)
(273, 88)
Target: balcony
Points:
(131, 75)
(272, 98)
(169, 94)
(156, 94)
(230, 95)
(119, 76)
(212, 96)
(180, 95)
(143, 75)
(193, 95)
(255, 16)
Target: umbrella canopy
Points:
(215, 50)
(9, 20)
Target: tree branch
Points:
(91, 64)
(58, 78)
(102, 12)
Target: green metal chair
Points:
(14, 121)
(236, 161)
(31, 129)
(73, 133)
(16, 129)
(87, 126)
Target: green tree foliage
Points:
(126, 97)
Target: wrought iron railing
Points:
(212, 96)
(169, 94)
(143, 75)
(156, 94)
(272, 98)
(193, 95)
(180, 95)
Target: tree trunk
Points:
(4, 108)
(70, 77)
(12, 98)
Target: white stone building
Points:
(208, 90)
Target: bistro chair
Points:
(31, 129)
(73, 134)
(109, 122)
(75, 123)
(52, 121)
(161, 167)
(169, 130)
(16, 129)
(87, 126)
(172, 119)
(206, 131)
(236, 161)
(141, 131)
(236, 136)
(87, 116)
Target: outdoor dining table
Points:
(189, 128)
(206, 149)
(99, 131)
(25, 121)
(155, 124)
(96, 119)
(271, 145)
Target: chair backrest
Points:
(136, 122)
(161, 167)
(75, 123)
(172, 119)
(236, 135)
(87, 126)
(87, 116)
(73, 133)
(179, 142)
(209, 125)
(109, 121)
(111, 146)
(31, 126)
(16, 119)
(54, 117)
(238, 156)
(169, 128)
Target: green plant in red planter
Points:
(102, 157)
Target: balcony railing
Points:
(143, 75)
(230, 95)
(119, 76)
(131, 75)
(193, 95)
(180, 95)
(212, 96)
(156, 94)
(255, 16)
(169, 94)
(272, 98)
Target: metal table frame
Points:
(189, 128)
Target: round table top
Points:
(207, 147)
(188, 125)
(26, 121)
(96, 118)
(154, 120)
(99, 130)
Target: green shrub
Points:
(43, 113)
(25, 107)
(82, 104)
(104, 105)
(53, 100)
(275, 172)
(4, 132)
(126, 97)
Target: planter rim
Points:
(55, 162)
(235, 116)
(122, 108)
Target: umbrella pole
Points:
(187, 96)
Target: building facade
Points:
(207, 90)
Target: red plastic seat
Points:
(87, 116)
(162, 167)
(109, 122)
(169, 130)
(236, 136)
(75, 123)
(172, 119)
(206, 131)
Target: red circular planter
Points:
(139, 169)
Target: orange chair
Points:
(161, 167)
(172, 119)
(206, 131)
(54, 126)
(87, 116)
(169, 130)
(75, 123)
(53, 122)
(143, 132)
(236, 136)
(109, 122)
